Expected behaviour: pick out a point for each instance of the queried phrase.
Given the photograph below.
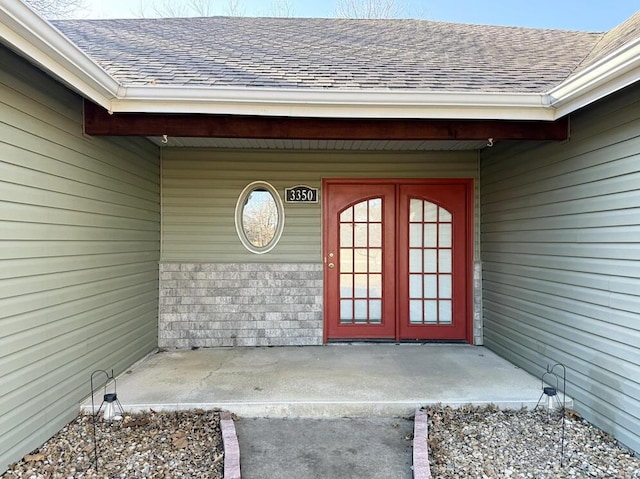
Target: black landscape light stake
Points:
(551, 394)
(112, 408)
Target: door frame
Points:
(468, 251)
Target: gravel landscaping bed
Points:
(183, 444)
(479, 443)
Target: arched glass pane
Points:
(347, 215)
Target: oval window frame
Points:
(242, 198)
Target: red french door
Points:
(397, 259)
(359, 244)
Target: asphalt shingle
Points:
(612, 40)
(325, 54)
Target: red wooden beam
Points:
(98, 122)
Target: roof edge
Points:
(610, 74)
(25, 31)
(333, 103)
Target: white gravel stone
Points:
(471, 442)
(182, 444)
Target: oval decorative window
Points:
(259, 217)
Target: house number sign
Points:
(301, 194)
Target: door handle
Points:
(331, 265)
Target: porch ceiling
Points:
(350, 145)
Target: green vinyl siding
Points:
(561, 254)
(79, 251)
(200, 188)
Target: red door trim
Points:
(468, 250)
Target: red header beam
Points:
(98, 122)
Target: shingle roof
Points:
(331, 53)
(625, 32)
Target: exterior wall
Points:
(79, 250)
(250, 304)
(208, 294)
(560, 250)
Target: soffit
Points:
(341, 145)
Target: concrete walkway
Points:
(347, 448)
(337, 380)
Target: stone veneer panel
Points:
(478, 334)
(256, 304)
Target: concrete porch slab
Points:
(334, 380)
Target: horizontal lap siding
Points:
(79, 251)
(561, 260)
(201, 187)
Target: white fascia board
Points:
(33, 37)
(614, 72)
(334, 103)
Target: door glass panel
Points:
(430, 236)
(430, 212)
(375, 210)
(361, 259)
(415, 211)
(445, 312)
(444, 264)
(375, 311)
(415, 235)
(346, 260)
(375, 285)
(430, 263)
(346, 234)
(346, 310)
(415, 312)
(444, 237)
(375, 261)
(360, 312)
(430, 286)
(361, 212)
(431, 312)
(346, 286)
(445, 286)
(415, 261)
(375, 235)
(360, 286)
(444, 216)
(415, 286)
(360, 236)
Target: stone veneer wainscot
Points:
(249, 304)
